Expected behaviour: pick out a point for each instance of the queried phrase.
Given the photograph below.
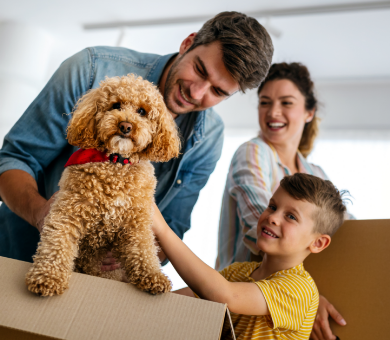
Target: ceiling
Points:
(56, 12)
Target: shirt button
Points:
(178, 181)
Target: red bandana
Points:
(82, 156)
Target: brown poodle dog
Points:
(107, 189)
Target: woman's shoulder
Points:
(310, 168)
(255, 145)
(317, 171)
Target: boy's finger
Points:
(336, 316)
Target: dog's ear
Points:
(166, 141)
(81, 130)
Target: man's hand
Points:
(41, 213)
(321, 329)
(109, 263)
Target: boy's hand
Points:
(321, 329)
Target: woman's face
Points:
(282, 113)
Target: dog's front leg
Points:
(140, 261)
(54, 260)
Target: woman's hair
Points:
(300, 76)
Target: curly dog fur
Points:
(108, 206)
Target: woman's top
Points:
(254, 175)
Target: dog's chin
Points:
(123, 146)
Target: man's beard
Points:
(169, 87)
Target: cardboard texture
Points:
(353, 274)
(96, 308)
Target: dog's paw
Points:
(44, 284)
(155, 283)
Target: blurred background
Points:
(345, 45)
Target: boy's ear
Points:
(320, 243)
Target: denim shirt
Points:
(37, 142)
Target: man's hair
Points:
(329, 215)
(246, 46)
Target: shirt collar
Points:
(157, 70)
(303, 165)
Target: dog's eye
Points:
(116, 106)
(141, 111)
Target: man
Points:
(231, 52)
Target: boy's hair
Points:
(246, 46)
(331, 209)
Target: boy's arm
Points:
(241, 297)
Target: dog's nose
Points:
(125, 127)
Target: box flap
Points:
(96, 308)
(353, 275)
(228, 319)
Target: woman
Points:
(289, 126)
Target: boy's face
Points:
(285, 228)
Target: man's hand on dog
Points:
(43, 211)
(109, 263)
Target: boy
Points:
(276, 298)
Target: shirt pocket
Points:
(183, 179)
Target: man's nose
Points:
(198, 89)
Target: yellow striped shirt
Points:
(292, 299)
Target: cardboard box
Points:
(95, 308)
(353, 274)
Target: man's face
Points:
(285, 228)
(198, 80)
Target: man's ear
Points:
(187, 43)
(320, 243)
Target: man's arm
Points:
(241, 297)
(39, 137)
(19, 191)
